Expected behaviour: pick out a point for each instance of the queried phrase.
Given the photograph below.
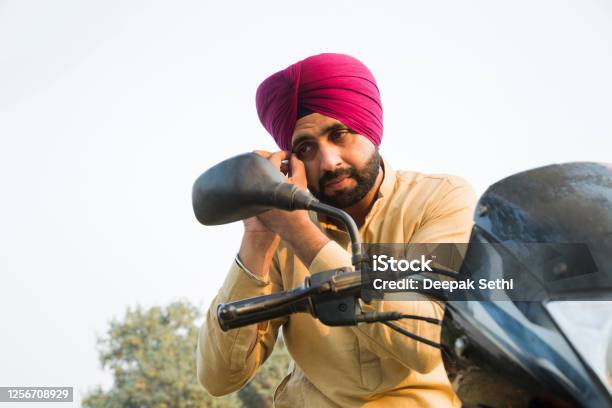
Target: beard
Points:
(365, 178)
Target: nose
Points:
(330, 158)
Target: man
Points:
(325, 114)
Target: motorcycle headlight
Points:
(588, 326)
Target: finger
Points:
(263, 153)
(298, 172)
(277, 157)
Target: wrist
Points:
(306, 241)
(294, 232)
(257, 250)
(260, 239)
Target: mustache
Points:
(349, 172)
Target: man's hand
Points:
(262, 232)
(286, 223)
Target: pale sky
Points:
(110, 110)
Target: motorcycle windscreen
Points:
(551, 228)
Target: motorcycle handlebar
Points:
(266, 307)
(315, 296)
(257, 309)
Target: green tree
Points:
(151, 354)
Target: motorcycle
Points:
(550, 228)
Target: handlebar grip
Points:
(257, 309)
(254, 310)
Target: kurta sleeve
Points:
(228, 360)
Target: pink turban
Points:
(334, 85)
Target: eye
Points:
(305, 151)
(338, 135)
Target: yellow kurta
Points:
(368, 365)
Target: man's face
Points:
(341, 165)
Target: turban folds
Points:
(334, 85)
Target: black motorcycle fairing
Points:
(511, 353)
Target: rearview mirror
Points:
(242, 187)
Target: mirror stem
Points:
(358, 257)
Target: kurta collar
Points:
(386, 187)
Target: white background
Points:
(110, 110)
